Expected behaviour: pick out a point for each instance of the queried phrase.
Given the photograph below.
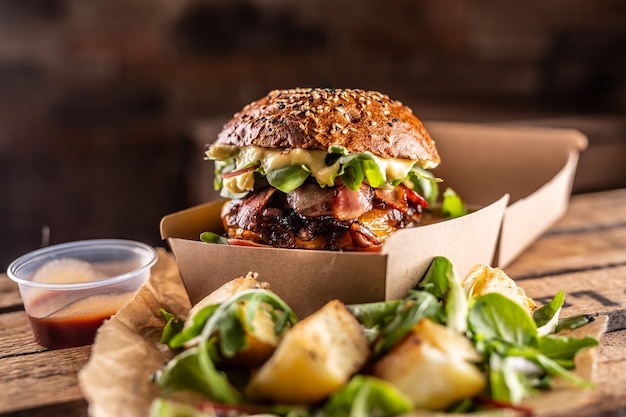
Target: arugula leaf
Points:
(547, 317)
(365, 396)
(210, 237)
(452, 205)
(442, 281)
(287, 178)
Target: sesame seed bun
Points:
(360, 121)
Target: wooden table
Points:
(584, 253)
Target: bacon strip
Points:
(252, 207)
(349, 204)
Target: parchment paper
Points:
(126, 352)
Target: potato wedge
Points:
(484, 279)
(432, 366)
(226, 291)
(315, 358)
(261, 338)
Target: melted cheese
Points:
(314, 160)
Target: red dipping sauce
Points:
(66, 331)
(76, 324)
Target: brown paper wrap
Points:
(116, 380)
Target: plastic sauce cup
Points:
(69, 289)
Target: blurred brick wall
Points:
(97, 98)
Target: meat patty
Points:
(332, 218)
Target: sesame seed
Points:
(386, 112)
(344, 131)
(373, 123)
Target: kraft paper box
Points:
(520, 177)
(534, 165)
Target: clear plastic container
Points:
(69, 289)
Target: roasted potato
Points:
(226, 291)
(432, 366)
(261, 339)
(484, 279)
(316, 357)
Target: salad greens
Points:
(352, 170)
(519, 353)
(221, 333)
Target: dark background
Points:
(100, 100)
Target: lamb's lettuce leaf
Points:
(366, 396)
(452, 205)
(287, 178)
(194, 370)
(442, 280)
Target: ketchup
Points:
(75, 324)
(65, 332)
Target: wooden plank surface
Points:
(584, 254)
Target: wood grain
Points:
(45, 378)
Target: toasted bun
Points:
(360, 121)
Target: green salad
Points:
(451, 345)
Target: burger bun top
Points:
(316, 119)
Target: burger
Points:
(333, 169)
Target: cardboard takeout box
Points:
(489, 166)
